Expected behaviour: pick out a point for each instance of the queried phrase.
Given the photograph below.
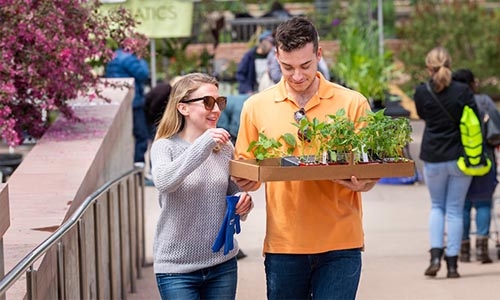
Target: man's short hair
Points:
(295, 33)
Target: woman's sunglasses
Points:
(210, 101)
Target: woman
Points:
(481, 189)
(190, 167)
(440, 149)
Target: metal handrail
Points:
(15, 273)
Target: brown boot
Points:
(451, 264)
(436, 255)
(465, 251)
(482, 254)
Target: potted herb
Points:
(312, 135)
(336, 140)
(343, 143)
(384, 137)
(266, 147)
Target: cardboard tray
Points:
(271, 170)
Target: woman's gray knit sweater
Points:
(193, 181)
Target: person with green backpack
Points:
(438, 102)
(481, 189)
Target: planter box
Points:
(271, 170)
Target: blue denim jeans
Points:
(332, 275)
(217, 282)
(483, 217)
(447, 187)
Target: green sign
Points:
(158, 18)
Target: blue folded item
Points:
(230, 226)
(401, 180)
(397, 180)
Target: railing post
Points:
(141, 245)
(132, 225)
(2, 266)
(124, 236)
(83, 273)
(4, 225)
(61, 287)
(31, 292)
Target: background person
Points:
(481, 189)
(440, 149)
(253, 65)
(126, 64)
(277, 10)
(314, 232)
(154, 105)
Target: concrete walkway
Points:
(396, 254)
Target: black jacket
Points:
(155, 103)
(441, 138)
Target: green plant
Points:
(333, 140)
(359, 65)
(311, 137)
(468, 31)
(384, 137)
(342, 136)
(179, 61)
(381, 137)
(266, 147)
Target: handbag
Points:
(492, 132)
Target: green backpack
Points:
(474, 161)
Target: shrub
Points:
(359, 63)
(469, 32)
(49, 50)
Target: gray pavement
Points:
(395, 257)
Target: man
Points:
(126, 64)
(314, 233)
(253, 65)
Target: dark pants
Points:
(141, 134)
(331, 275)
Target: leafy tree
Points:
(48, 51)
(468, 31)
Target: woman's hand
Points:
(220, 135)
(357, 185)
(244, 205)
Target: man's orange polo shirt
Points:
(304, 217)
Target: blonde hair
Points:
(172, 120)
(438, 62)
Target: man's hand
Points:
(245, 184)
(357, 185)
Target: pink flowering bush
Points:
(48, 51)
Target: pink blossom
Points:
(48, 51)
